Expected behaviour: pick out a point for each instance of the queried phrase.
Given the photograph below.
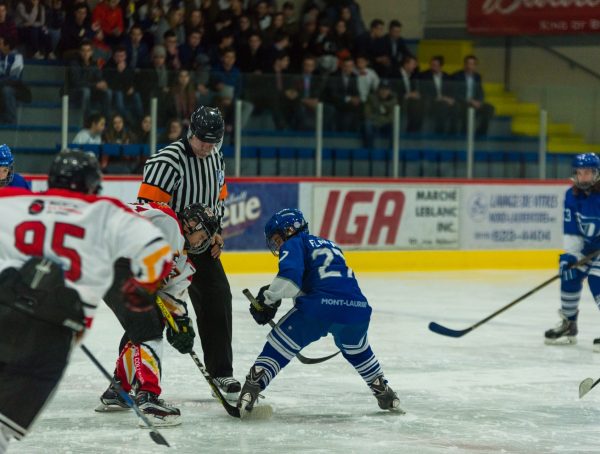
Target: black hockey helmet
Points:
(206, 123)
(205, 220)
(75, 170)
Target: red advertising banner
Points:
(533, 17)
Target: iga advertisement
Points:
(249, 206)
(512, 217)
(389, 216)
(533, 17)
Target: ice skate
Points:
(249, 397)
(160, 413)
(596, 345)
(387, 399)
(229, 387)
(111, 401)
(565, 333)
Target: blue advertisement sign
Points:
(249, 206)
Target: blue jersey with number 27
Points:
(329, 290)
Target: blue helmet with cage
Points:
(586, 161)
(6, 160)
(286, 223)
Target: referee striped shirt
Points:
(176, 176)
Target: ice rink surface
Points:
(498, 389)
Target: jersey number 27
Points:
(329, 256)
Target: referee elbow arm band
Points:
(154, 193)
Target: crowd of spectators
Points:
(280, 61)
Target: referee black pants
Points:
(211, 298)
(33, 357)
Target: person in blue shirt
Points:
(327, 299)
(581, 229)
(8, 177)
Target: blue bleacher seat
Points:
(133, 149)
(111, 149)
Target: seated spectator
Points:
(8, 28)
(183, 97)
(117, 133)
(154, 82)
(151, 23)
(121, 81)
(109, 16)
(262, 18)
(343, 94)
(31, 23)
(172, 22)
(300, 46)
(225, 41)
(91, 134)
(267, 93)
(194, 21)
(409, 97)
(436, 88)
(243, 30)
(201, 77)
(173, 132)
(55, 21)
(143, 12)
(74, 32)
(344, 41)
(379, 113)
(290, 22)
(226, 82)
(138, 55)
(142, 134)
(366, 44)
(11, 86)
(390, 50)
(368, 80)
(302, 97)
(253, 56)
(323, 46)
(276, 28)
(171, 44)
(191, 49)
(85, 83)
(468, 91)
(350, 13)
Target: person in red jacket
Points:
(109, 16)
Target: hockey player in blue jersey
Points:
(8, 177)
(327, 299)
(581, 237)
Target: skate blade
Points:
(164, 421)
(596, 348)
(257, 413)
(229, 397)
(567, 340)
(103, 408)
(396, 408)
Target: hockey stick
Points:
(302, 359)
(233, 411)
(154, 433)
(444, 331)
(586, 386)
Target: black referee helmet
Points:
(206, 123)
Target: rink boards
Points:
(394, 224)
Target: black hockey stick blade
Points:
(586, 386)
(437, 328)
(230, 409)
(154, 433)
(303, 359)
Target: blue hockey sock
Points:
(271, 361)
(366, 364)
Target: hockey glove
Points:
(567, 273)
(183, 341)
(261, 311)
(138, 298)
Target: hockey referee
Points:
(192, 170)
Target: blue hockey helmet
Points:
(586, 161)
(286, 223)
(6, 160)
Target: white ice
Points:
(497, 389)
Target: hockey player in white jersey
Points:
(139, 364)
(57, 250)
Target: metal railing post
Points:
(470, 141)
(396, 142)
(238, 138)
(319, 141)
(543, 143)
(64, 133)
(153, 115)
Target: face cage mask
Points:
(587, 185)
(284, 234)
(204, 245)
